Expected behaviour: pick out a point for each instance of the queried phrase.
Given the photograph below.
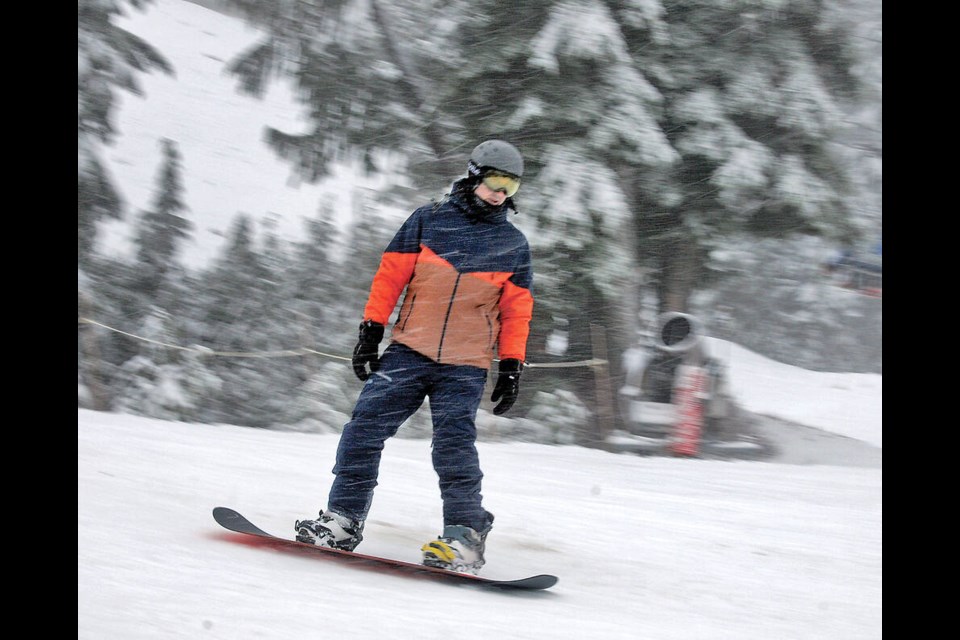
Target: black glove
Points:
(508, 385)
(366, 352)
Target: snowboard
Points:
(234, 521)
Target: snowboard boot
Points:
(330, 530)
(459, 549)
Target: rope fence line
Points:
(302, 351)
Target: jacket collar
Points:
(474, 209)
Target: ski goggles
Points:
(505, 182)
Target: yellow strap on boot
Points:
(441, 550)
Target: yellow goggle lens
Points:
(500, 182)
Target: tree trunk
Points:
(91, 351)
(678, 273)
(604, 393)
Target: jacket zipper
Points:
(413, 301)
(446, 319)
(489, 330)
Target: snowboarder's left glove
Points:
(367, 352)
(508, 385)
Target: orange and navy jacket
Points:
(468, 279)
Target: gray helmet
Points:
(496, 154)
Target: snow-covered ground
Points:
(845, 404)
(645, 547)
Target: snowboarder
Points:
(467, 274)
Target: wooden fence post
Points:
(91, 351)
(601, 372)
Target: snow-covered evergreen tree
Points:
(164, 380)
(161, 228)
(174, 391)
(652, 130)
(324, 402)
(316, 282)
(247, 321)
(108, 58)
(693, 149)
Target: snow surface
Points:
(645, 547)
(848, 404)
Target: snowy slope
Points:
(653, 548)
(645, 547)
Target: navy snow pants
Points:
(387, 399)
